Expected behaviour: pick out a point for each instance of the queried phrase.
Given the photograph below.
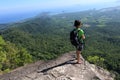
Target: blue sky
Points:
(17, 6)
(14, 7)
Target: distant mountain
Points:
(47, 37)
(110, 9)
(3, 26)
(12, 18)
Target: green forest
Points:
(47, 37)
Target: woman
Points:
(81, 38)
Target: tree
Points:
(11, 56)
(96, 60)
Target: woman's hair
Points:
(77, 23)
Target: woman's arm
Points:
(83, 36)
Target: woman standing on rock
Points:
(77, 39)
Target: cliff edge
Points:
(62, 68)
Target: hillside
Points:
(58, 69)
(47, 37)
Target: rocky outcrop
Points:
(62, 68)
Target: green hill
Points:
(47, 37)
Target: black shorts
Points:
(79, 47)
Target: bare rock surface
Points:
(62, 68)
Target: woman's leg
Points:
(78, 53)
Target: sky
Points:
(15, 8)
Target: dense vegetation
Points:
(11, 56)
(103, 47)
(42, 37)
(45, 38)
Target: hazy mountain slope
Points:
(46, 37)
(40, 36)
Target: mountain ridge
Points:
(22, 19)
(61, 68)
(46, 38)
(110, 9)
